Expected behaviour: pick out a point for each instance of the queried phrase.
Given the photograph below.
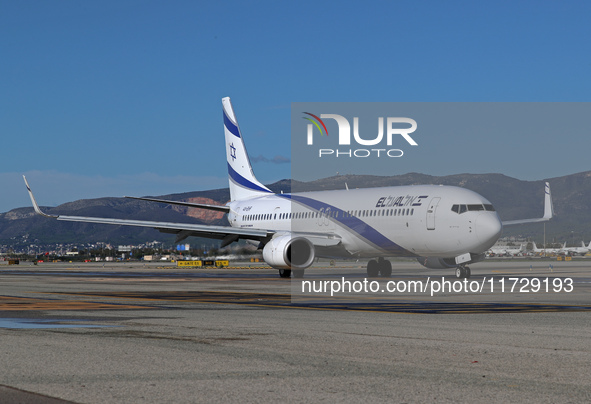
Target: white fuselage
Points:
(575, 250)
(421, 220)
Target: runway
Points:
(94, 332)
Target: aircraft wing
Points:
(548, 210)
(183, 230)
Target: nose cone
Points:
(488, 229)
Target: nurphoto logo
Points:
(392, 129)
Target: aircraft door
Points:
(431, 213)
(322, 219)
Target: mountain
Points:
(513, 199)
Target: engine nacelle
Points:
(443, 263)
(287, 252)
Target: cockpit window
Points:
(459, 208)
(472, 208)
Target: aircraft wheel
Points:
(373, 269)
(298, 273)
(285, 273)
(385, 269)
(460, 272)
(468, 272)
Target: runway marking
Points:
(284, 301)
(11, 303)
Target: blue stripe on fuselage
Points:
(354, 224)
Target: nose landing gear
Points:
(463, 272)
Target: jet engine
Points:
(287, 252)
(443, 263)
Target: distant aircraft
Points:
(582, 250)
(441, 226)
(507, 251)
(548, 250)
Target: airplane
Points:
(441, 226)
(582, 250)
(507, 251)
(548, 250)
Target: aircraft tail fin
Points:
(243, 183)
(548, 205)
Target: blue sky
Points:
(124, 97)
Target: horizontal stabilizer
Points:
(218, 208)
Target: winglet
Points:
(35, 206)
(548, 206)
(548, 210)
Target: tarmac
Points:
(155, 333)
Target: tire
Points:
(285, 273)
(385, 269)
(373, 269)
(298, 273)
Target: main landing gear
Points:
(286, 273)
(381, 267)
(463, 272)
